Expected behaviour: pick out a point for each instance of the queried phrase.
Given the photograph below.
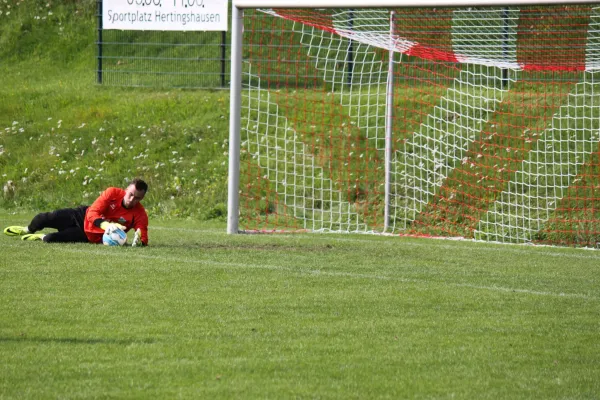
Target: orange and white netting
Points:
(494, 119)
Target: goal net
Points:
(473, 122)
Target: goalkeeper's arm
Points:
(137, 238)
(140, 224)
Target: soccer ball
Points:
(117, 237)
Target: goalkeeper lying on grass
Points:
(115, 208)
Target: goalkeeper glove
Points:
(111, 226)
(137, 238)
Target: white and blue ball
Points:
(116, 237)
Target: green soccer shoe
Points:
(16, 230)
(33, 236)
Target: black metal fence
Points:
(168, 59)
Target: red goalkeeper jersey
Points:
(109, 206)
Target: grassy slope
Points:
(204, 315)
(58, 129)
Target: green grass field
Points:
(200, 314)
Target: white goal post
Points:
(476, 119)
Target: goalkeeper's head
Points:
(134, 193)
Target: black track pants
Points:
(68, 222)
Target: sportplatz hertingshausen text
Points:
(183, 18)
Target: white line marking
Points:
(317, 272)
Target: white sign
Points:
(165, 15)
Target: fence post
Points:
(99, 71)
(223, 56)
